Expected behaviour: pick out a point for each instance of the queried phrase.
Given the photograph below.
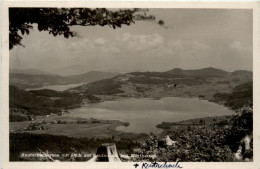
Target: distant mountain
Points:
(177, 72)
(180, 73)
(24, 81)
(30, 71)
(74, 69)
(176, 82)
(92, 76)
(202, 73)
(241, 73)
(77, 69)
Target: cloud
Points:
(188, 45)
(100, 41)
(80, 43)
(143, 42)
(125, 37)
(238, 46)
(184, 49)
(125, 42)
(204, 40)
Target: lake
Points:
(57, 87)
(144, 114)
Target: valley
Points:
(206, 84)
(96, 110)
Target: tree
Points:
(57, 21)
(161, 22)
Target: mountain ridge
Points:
(176, 75)
(31, 71)
(176, 82)
(23, 81)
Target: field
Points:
(75, 127)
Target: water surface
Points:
(57, 87)
(144, 114)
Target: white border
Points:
(163, 4)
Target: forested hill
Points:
(202, 73)
(196, 73)
(202, 83)
(39, 78)
(240, 96)
(44, 102)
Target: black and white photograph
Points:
(140, 85)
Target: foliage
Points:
(198, 73)
(44, 102)
(29, 103)
(93, 99)
(193, 144)
(26, 142)
(163, 78)
(57, 21)
(148, 80)
(216, 141)
(242, 124)
(240, 96)
(103, 87)
(16, 118)
(165, 125)
(46, 92)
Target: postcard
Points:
(130, 84)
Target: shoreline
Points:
(74, 127)
(171, 126)
(108, 127)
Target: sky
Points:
(190, 39)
